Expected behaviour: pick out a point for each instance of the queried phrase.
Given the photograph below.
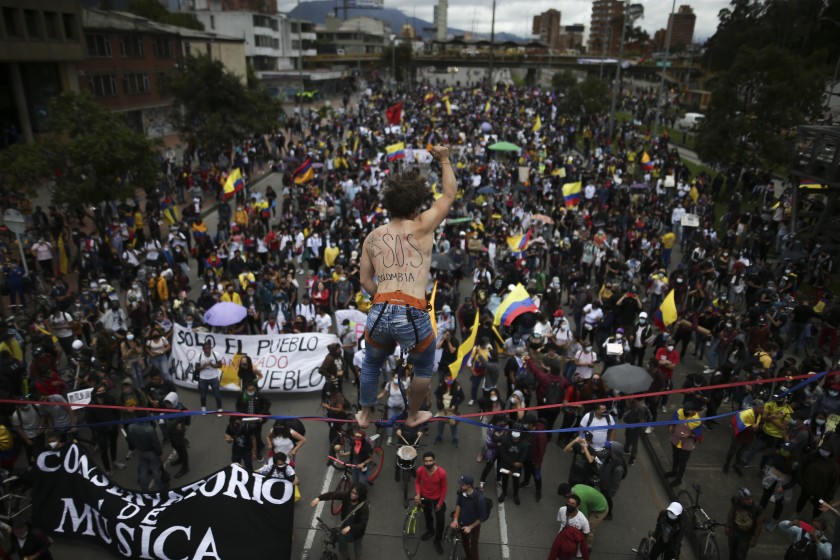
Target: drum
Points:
(406, 457)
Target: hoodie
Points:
(614, 470)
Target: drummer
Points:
(407, 440)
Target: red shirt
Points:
(431, 486)
(673, 357)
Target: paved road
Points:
(522, 532)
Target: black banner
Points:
(232, 513)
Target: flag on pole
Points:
(233, 184)
(519, 243)
(515, 304)
(394, 114)
(537, 124)
(432, 308)
(647, 164)
(667, 312)
(395, 151)
(304, 173)
(487, 107)
(429, 97)
(571, 194)
(465, 350)
(447, 105)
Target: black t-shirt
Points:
(801, 313)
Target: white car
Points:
(690, 121)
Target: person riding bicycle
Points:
(354, 523)
(667, 537)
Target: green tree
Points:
(592, 95)
(213, 109)
(156, 11)
(91, 153)
(756, 106)
(563, 81)
(401, 61)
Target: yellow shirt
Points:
(13, 347)
(330, 254)
(668, 240)
(782, 412)
(232, 297)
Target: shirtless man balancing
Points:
(396, 258)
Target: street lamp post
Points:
(664, 68)
(492, 41)
(300, 64)
(393, 63)
(617, 84)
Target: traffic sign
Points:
(15, 221)
(663, 63)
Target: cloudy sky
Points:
(515, 16)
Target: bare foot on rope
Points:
(421, 417)
(363, 417)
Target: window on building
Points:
(98, 46)
(52, 26)
(162, 47)
(33, 25)
(266, 41)
(212, 22)
(136, 84)
(103, 85)
(11, 22)
(69, 21)
(131, 46)
(209, 49)
(265, 21)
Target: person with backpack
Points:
(471, 510)
(597, 418)
(354, 523)
(519, 377)
(637, 413)
(743, 524)
(668, 535)
(808, 541)
(592, 503)
(613, 471)
(513, 451)
(537, 440)
(279, 467)
(571, 538)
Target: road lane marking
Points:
(310, 535)
(503, 532)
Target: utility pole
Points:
(617, 83)
(492, 41)
(664, 69)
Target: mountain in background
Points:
(317, 13)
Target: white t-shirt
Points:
(579, 521)
(208, 371)
(599, 437)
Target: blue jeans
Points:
(215, 384)
(345, 540)
(401, 324)
(162, 363)
(148, 461)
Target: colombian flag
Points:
(429, 97)
(571, 194)
(515, 304)
(667, 312)
(519, 243)
(234, 184)
(647, 165)
(395, 151)
(487, 107)
(744, 420)
(537, 124)
(304, 173)
(465, 350)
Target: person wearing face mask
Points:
(252, 402)
(585, 361)
(133, 360)
(616, 348)
(470, 509)
(356, 512)
(176, 432)
(105, 436)
(570, 539)
(430, 489)
(667, 359)
(513, 452)
(743, 524)
(775, 420)
(592, 504)
(28, 424)
(494, 436)
(829, 402)
(819, 474)
(668, 535)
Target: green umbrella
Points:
(504, 147)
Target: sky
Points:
(515, 16)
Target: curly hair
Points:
(404, 193)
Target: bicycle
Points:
(411, 536)
(330, 540)
(700, 522)
(346, 443)
(453, 536)
(13, 498)
(643, 550)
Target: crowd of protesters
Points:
(106, 286)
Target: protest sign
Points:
(289, 362)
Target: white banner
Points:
(289, 362)
(690, 220)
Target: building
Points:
(357, 35)
(303, 41)
(129, 58)
(40, 44)
(440, 20)
(271, 47)
(571, 39)
(407, 32)
(546, 26)
(681, 26)
(605, 27)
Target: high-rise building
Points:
(571, 39)
(605, 27)
(546, 26)
(440, 19)
(681, 26)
